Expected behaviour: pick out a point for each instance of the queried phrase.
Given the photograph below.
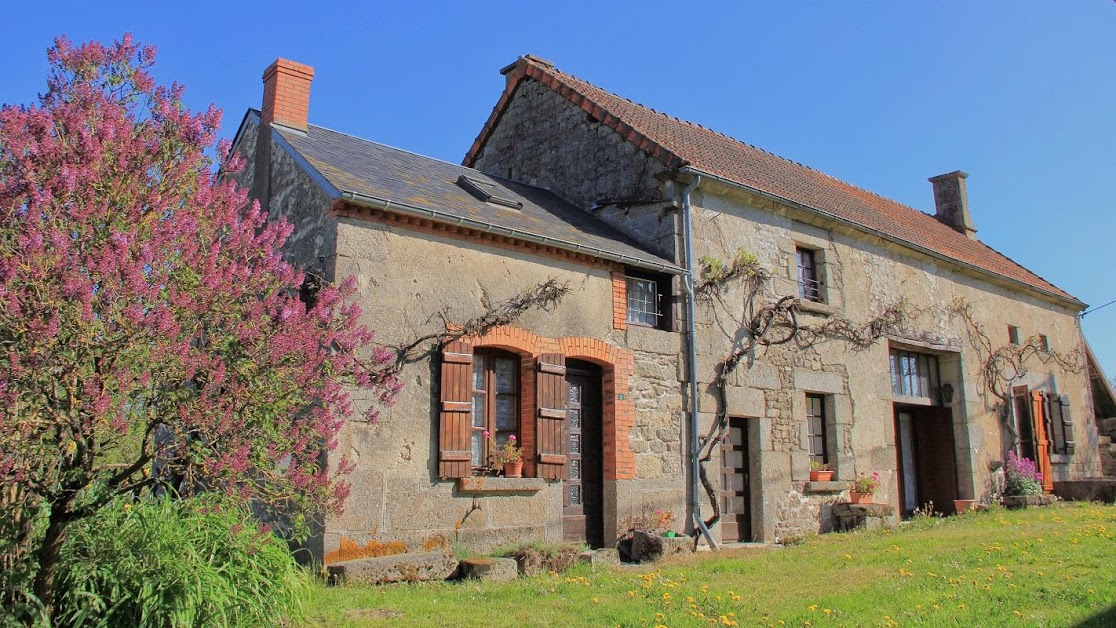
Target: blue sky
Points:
(883, 94)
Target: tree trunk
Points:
(48, 561)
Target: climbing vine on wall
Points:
(769, 321)
(543, 296)
(1003, 366)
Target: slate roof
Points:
(369, 169)
(679, 143)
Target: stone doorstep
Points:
(608, 556)
(409, 567)
(490, 569)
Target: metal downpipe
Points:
(691, 360)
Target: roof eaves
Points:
(445, 218)
(1074, 303)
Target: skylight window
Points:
(488, 192)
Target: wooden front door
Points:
(583, 502)
(736, 498)
(927, 460)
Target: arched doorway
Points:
(583, 500)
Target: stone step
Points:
(410, 567)
(490, 569)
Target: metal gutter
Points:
(879, 234)
(691, 364)
(365, 200)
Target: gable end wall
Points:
(543, 139)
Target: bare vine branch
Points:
(769, 323)
(543, 296)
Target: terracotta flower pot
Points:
(860, 498)
(963, 505)
(513, 469)
(821, 476)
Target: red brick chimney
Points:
(286, 98)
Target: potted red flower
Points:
(507, 456)
(864, 487)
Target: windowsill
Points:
(645, 326)
(825, 487)
(815, 307)
(482, 485)
(1060, 459)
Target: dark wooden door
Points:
(935, 457)
(583, 507)
(736, 498)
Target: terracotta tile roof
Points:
(679, 143)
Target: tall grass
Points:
(164, 562)
(1036, 567)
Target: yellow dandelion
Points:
(827, 611)
(813, 607)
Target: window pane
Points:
(574, 417)
(643, 301)
(505, 375)
(575, 443)
(478, 372)
(575, 493)
(478, 410)
(505, 412)
(575, 469)
(573, 394)
(896, 385)
(478, 449)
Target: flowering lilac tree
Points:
(150, 331)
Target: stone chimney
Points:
(286, 98)
(951, 202)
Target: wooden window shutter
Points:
(1041, 419)
(1063, 404)
(550, 422)
(455, 428)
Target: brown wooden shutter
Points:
(550, 423)
(455, 427)
(1063, 403)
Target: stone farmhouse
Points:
(669, 238)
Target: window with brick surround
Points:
(495, 397)
(648, 299)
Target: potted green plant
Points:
(507, 456)
(864, 487)
(819, 472)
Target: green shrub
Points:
(166, 562)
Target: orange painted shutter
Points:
(550, 422)
(1042, 448)
(455, 426)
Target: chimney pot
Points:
(286, 98)
(951, 202)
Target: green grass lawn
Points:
(1037, 567)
